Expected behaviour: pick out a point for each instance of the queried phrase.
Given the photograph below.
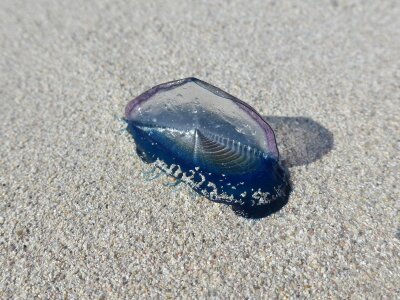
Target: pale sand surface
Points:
(78, 218)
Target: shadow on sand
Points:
(300, 140)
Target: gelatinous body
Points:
(217, 144)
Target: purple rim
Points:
(269, 133)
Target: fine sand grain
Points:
(79, 218)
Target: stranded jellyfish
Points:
(217, 144)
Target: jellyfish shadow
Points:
(300, 140)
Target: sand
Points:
(79, 217)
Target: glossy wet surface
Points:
(215, 143)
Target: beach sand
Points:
(79, 217)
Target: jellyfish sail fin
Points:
(225, 154)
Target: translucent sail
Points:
(213, 141)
